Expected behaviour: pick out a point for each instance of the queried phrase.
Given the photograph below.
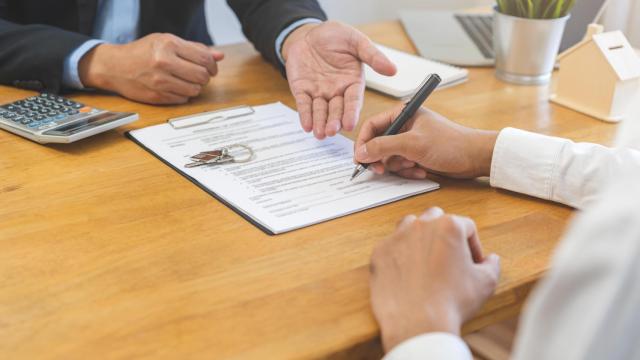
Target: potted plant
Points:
(527, 36)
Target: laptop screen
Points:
(583, 14)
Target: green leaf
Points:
(547, 11)
(536, 9)
(530, 9)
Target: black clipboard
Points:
(201, 186)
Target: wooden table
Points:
(106, 252)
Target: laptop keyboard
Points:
(480, 30)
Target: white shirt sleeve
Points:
(587, 307)
(554, 168)
(432, 346)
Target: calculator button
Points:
(11, 115)
(77, 106)
(56, 107)
(85, 109)
(72, 112)
(52, 113)
(69, 103)
(60, 117)
(34, 124)
(40, 117)
(11, 107)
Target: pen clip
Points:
(424, 81)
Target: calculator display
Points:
(86, 124)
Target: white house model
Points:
(599, 76)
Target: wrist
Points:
(296, 35)
(483, 144)
(434, 320)
(93, 69)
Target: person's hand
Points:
(427, 143)
(429, 276)
(156, 69)
(324, 66)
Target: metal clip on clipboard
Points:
(188, 121)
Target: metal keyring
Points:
(247, 148)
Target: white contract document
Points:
(293, 180)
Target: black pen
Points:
(430, 84)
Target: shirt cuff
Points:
(287, 31)
(525, 162)
(432, 346)
(70, 75)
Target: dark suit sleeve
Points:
(32, 56)
(263, 20)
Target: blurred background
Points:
(620, 15)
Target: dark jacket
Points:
(37, 35)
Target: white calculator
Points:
(49, 118)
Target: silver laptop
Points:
(467, 39)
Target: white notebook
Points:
(294, 180)
(412, 70)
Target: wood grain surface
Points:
(107, 253)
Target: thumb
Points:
(372, 56)
(382, 147)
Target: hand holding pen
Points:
(409, 110)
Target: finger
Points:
(431, 214)
(386, 146)
(372, 56)
(491, 267)
(471, 233)
(415, 173)
(377, 168)
(159, 98)
(319, 117)
(336, 110)
(171, 84)
(376, 125)
(190, 72)
(304, 103)
(397, 163)
(166, 98)
(217, 55)
(406, 221)
(198, 54)
(352, 105)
